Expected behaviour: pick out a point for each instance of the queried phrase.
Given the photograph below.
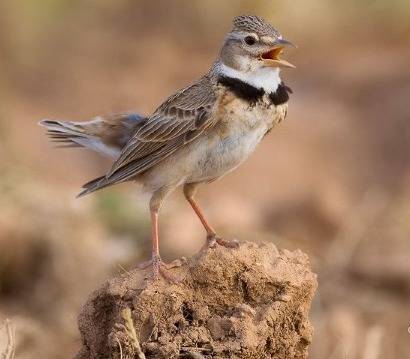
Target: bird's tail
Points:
(105, 135)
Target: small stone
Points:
(244, 309)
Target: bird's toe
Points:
(213, 240)
(162, 269)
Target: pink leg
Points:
(156, 259)
(158, 266)
(189, 192)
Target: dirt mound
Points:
(250, 302)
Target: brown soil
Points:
(250, 302)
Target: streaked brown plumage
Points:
(178, 121)
(198, 134)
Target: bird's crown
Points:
(252, 23)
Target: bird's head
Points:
(253, 44)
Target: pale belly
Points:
(216, 153)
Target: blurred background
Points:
(332, 180)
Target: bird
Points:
(197, 135)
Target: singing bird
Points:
(197, 135)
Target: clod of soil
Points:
(250, 302)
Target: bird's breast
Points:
(238, 130)
(236, 114)
(237, 133)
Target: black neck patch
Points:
(281, 95)
(242, 89)
(252, 94)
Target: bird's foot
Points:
(162, 269)
(213, 240)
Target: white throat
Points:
(266, 78)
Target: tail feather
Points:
(75, 134)
(61, 131)
(105, 135)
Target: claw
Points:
(175, 263)
(213, 240)
(161, 269)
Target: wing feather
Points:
(188, 112)
(178, 121)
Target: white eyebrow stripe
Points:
(268, 39)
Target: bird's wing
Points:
(179, 120)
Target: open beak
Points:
(272, 57)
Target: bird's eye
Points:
(250, 40)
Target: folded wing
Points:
(178, 121)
